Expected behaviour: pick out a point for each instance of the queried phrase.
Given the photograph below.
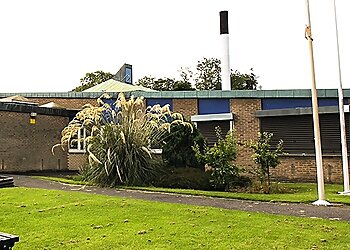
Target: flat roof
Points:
(27, 108)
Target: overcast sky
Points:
(47, 46)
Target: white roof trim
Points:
(212, 117)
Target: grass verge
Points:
(304, 192)
(50, 219)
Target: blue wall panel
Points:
(109, 101)
(285, 103)
(161, 102)
(213, 106)
(329, 102)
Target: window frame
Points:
(81, 143)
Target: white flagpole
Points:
(320, 180)
(341, 114)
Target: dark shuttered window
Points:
(297, 133)
(207, 128)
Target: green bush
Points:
(178, 149)
(188, 178)
(225, 174)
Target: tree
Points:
(243, 81)
(186, 75)
(265, 157)
(164, 84)
(92, 79)
(208, 74)
(208, 77)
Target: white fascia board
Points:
(156, 151)
(212, 117)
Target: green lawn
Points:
(48, 219)
(304, 192)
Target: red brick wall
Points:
(187, 107)
(25, 147)
(69, 103)
(303, 168)
(247, 127)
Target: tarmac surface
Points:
(334, 212)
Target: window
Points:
(128, 75)
(207, 124)
(78, 144)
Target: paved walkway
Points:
(338, 212)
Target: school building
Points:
(31, 124)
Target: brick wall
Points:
(28, 147)
(76, 161)
(246, 125)
(69, 103)
(303, 168)
(187, 107)
(25, 147)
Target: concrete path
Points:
(337, 212)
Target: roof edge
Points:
(247, 94)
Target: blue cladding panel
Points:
(285, 103)
(330, 102)
(109, 101)
(213, 106)
(160, 101)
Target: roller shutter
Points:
(207, 128)
(297, 132)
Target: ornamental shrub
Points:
(121, 138)
(221, 159)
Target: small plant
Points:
(266, 158)
(221, 159)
